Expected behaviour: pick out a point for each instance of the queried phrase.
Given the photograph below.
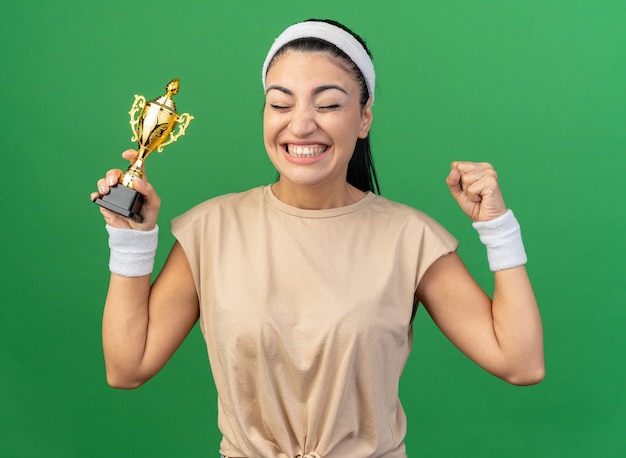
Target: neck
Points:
(319, 197)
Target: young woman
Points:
(306, 288)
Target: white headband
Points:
(334, 35)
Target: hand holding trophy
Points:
(153, 129)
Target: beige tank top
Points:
(307, 319)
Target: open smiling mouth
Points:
(305, 150)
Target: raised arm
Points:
(144, 324)
(504, 334)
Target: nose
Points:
(303, 122)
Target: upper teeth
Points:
(305, 151)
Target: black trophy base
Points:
(124, 201)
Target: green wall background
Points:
(536, 87)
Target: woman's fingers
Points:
(104, 185)
(131, 155)
(151, 201)
(475, 187)
(112, 176)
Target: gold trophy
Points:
(153, 129)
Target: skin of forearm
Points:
(125, 329)
(517, 326)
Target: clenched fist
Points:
(474, 185)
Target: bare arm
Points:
(144, 324)
(503, 335)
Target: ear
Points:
(366, 119)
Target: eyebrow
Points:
(316, 91)
(319, 90)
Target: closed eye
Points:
(329, 107)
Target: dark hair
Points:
(361, 171)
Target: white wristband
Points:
(503, 238)
(132, 251)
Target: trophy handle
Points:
(138, 106)
(183, 122)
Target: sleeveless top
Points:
(307, 318)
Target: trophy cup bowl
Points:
(153, 129)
